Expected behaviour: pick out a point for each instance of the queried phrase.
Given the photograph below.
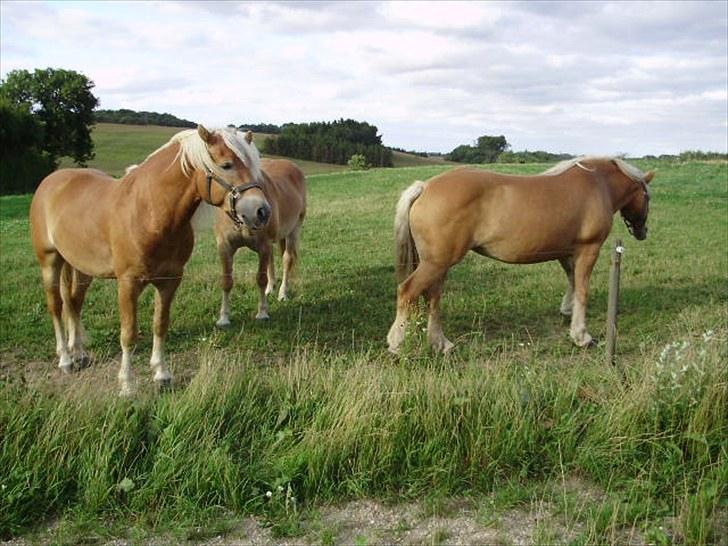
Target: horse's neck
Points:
(621, 191)
(163, 190)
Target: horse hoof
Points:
(163, 385)
(262, 316)
(81, 362)
(223, 323)
(393, 350)
(283, 297)
(443, 347)
(66, 369)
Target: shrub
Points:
(358, 162)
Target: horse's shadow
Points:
(355, 309)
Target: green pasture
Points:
(311, 400)
(117, 146)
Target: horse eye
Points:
(227, 166)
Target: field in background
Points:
(117, 146)
(311, 402)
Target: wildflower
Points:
(280, 489)
(269, 494)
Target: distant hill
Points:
(131, 117)
(120, 145)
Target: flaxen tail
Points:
(406, 254)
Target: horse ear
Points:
(649, 176)
(205, 135)
(249, 137)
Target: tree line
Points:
(330, 142)
(132, 117)
(266, 128)
(492, 149)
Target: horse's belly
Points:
(88, 256)
(516, 254)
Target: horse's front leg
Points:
(270, 285)
(128, 291)
(226, 253)
(264, 258)
(166, 290)
(584, 261)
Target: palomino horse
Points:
(285, 189)
(563, 214)
(137, 229)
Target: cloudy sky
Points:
(577, 77)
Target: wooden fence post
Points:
(613, 301)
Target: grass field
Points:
(117, 146)
(311, 402)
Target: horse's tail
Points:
(406, 254)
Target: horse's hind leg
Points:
(166, 290)
(435, 335)
(408, 291)
(567, 302)
(290, 257)
(73, 292)
(226, 253)
(51, 265)
(583, 264)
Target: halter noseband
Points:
(234, 192)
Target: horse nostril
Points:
(263, 214)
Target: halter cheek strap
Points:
(234, 193)
(631, 225)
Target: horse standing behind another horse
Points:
(86, 224)
(284, 186)
(563, 214)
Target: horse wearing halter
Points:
(234, 193)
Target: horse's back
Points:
(285, 173)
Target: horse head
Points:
(239, 183)
(634, 212)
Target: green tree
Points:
(487, 150)
(491, 147)
(62, 102)
(23, 164)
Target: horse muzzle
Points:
(251, 212)
(640, 233)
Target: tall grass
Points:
(333, 426)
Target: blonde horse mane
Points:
(628, 170)
(193, 152)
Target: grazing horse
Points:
(86, 224)
(284, 186)
(563, 214)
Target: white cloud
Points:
(576, 77)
